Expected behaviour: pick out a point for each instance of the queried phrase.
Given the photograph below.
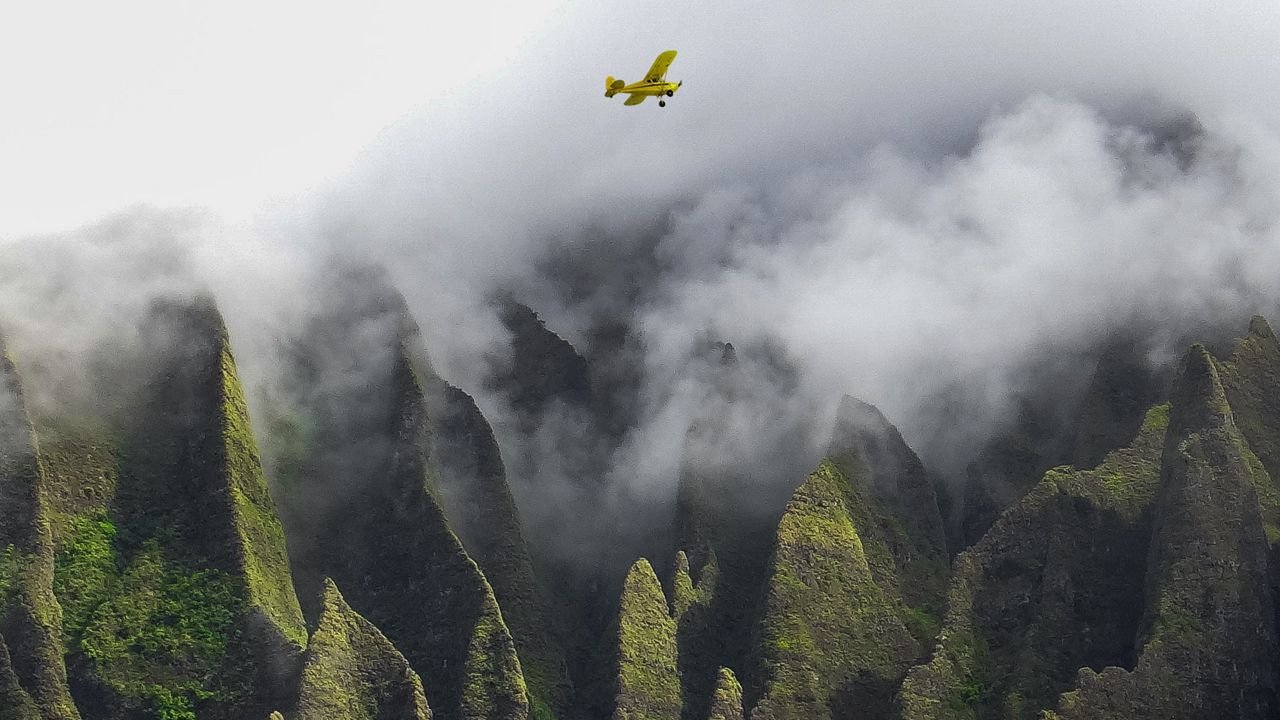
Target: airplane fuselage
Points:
(645, 88)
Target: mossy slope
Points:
(472, 488)
(895, 510)
(30, 616)
(1054, 585)
(358, 504)
(179, 588)
(726, 703)
(15, 701)
(1208, 631)
(834, 641)
(352, 671)
(647, 680)
(1251, 381)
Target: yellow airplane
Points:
(654, 83)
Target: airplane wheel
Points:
(662, 103)
(670, 93)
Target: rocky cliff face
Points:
(148, 570)
(33, 673)
(1208, 637)
(646, 678)
(351, 670)
(360, 503)
(164, 583)
(1143, 587)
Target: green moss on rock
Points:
(30, 617)
(834, 642)
(361, 508)
(1208, 633)
(726, 702)
(472, 489)
(15, 702)
(1055, 584)
(352, 671)
(1250, 378)
(179, 596)
(893, 505)
(647, 679)
(160, 632)
(84, 569)
(265, 563)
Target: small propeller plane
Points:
(654, 83)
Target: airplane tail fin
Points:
(612, 86)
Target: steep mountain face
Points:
(1143, 587)
(544, 368)
(1123, 386)
(32, 671)
(1007, 467)
(901, 514)
(359, 505)
(1053, 586)
(173, 574)
(563, 422)
(824, 607)
(352, 671)
(473, 490)
(1208, 632)
(726, 702)
(646, 677)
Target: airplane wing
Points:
(635, 99)
(659, 69)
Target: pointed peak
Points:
(641, 574)
(359, 294)
(683, 595)
(1259, 328)
(186, 333)
(1198, 400)
(330, 589)
(859, 424)
(726, 703)
(350, 663)
(728, 355)
(854, 411)
(647, 680)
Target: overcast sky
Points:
(236, 104)
(225, 105)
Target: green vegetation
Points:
(10, 564)
(726, 702)
(830, 631)
(970, 653)
(161, 633)
(472, 489)
(83, 571)
(30, 617)
(989, 664)
(352, 671)
(647, 678)
(266, 568)
(494, 684)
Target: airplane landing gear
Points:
(670, 93)
(662, 103)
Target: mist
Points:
(916, 205)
